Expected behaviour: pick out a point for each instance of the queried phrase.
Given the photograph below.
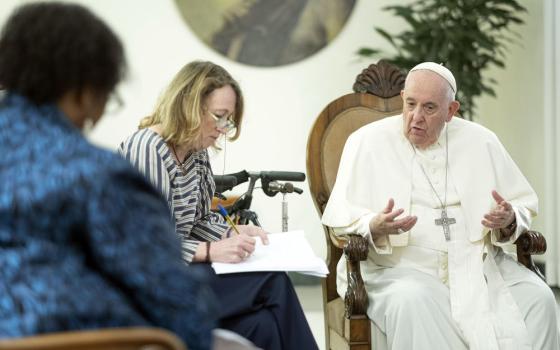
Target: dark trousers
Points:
(262, 307)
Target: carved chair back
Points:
(376, 96)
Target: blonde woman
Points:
(201, 104)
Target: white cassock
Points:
(478, 296)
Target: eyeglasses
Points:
(223, 122)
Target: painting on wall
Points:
(266, 33)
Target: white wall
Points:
(283, 102)
(517, 114)
(551, 94)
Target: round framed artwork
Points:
(266, 33)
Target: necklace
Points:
(444, 221)
(179, 163)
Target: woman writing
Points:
(201, 104)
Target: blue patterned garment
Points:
(85, 241)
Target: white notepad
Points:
(286, 251)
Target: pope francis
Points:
(438, 197)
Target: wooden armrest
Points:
(530, 243)
(113, 339)
(356, 298)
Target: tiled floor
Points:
(311, 299)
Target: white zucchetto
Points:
(440, 70)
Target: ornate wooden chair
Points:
(105, 339)
(376, 95)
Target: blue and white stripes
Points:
(188, 188)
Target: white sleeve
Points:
(523, 220)
(361, 227)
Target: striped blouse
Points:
(188, 187)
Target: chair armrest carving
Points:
(356, 298)
(530, 243)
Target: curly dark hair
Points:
(49, 49)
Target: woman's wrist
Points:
(207, 259)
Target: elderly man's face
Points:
(426, 107)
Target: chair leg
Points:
(358, 333)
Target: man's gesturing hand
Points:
(501, 216)
(386, 223)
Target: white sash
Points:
(497, 325)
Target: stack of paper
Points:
(286, 251)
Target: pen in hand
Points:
(224, 213)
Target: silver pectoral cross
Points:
(445, 222)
